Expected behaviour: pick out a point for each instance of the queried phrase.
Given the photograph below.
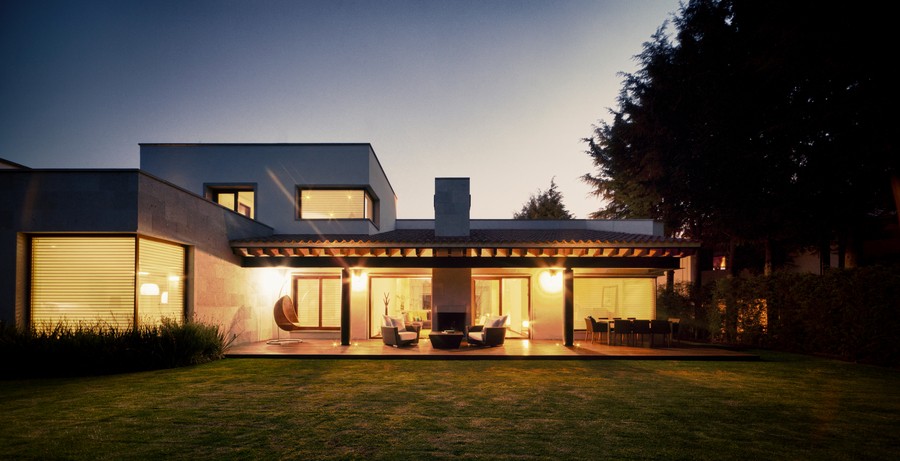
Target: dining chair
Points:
(599, 329)
(623, 328)
(661, 327)
(640, 328)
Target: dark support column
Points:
(345, 307)
(569, 307)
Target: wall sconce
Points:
(164, 298)
(358, 279)
(149, 289)
(552, 280)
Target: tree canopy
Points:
(546, 204)
(755, 123)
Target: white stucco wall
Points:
(276, 170)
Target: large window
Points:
(503, 296)
(614, 297)
(318, 302)
(239, 198)
(336, 204)
(92, 280)
(407, 297)
(160, 281)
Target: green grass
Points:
(783, 407)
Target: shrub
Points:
(853, 314)
(81, 349)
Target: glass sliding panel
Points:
(87, 280)
(406, 297)
(160, 282)
(515, 304)
(486, 300)
(508, 296)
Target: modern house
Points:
(219, 232)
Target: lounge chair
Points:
(394, 332)
(492, 333)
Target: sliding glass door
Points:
(493, 296)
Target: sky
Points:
(501, 92)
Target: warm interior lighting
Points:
(149, 289)
(358, 279)
(525, 323)
(552, 280)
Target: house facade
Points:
(219, 232)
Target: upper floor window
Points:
(241, 199)
(337, 204)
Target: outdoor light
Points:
(164, 298)
(149, 289)
(552, 280)
(358, 279)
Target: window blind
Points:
(82, 280)
(160, 282)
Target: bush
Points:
(66, 350)
(853, 314)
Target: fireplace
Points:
(451, 321)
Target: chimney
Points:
(451, 207)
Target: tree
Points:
(544, 205)
(757, 124)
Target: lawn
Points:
(783, 407)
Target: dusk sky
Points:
(501, 92)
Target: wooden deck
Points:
(513, 349)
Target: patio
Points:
(511, 350)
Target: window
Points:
(318, 301)
(92, 281)
(408, 297)
(614, 297)
(496, 296)
(337, 204)
(241, 199)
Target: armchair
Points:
(394, 332)
(492, 333)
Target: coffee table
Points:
(445, 339)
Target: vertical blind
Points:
(87, 280)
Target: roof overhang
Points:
(649, 255)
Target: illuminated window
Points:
(609, 297)
(318, 301)
(92, 281)
(497, 296)
(336, 204)
(405, 297)
(236, 198)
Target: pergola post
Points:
(569, 307)
(345, 307)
